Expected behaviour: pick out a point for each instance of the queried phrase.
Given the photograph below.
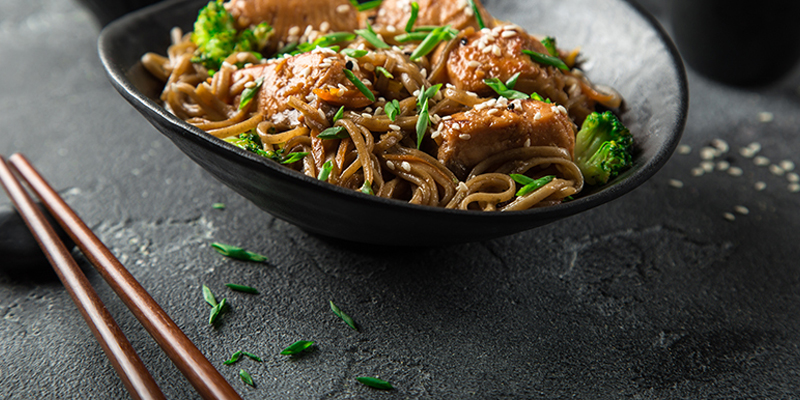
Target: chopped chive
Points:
(547, 60)
(511, 82)
(218, 206)
(366, 188)
(334, 132)
(249, 93)
(369, 5)
(422, 123)
(333, 38)
(431, 91)
(237, 252)
(294, 157)
(349, 321)
(537, 96)
(384, 72)
(500, 88)
(370, 36)
(360, 85)
(289, 48)
(431, 41)
(252, 356)
(477, 13)
(413, 18)
(550, 44)
(392, 108)
(209, 297)
(411, 37)
(325, 172)
(234, 358)
(216, 311)
(242, 288)
(246, 378)
(355, 53)
(532, 184)
(339, 114)
(375, 383)
(297, 347)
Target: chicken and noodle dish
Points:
(432, 102)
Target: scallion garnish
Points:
(547, 60)
(242, 288)
(392, 108)
(360, 85)
(384, 72)
(478, 16)
(431, 41)
(325, 172)
(530, 184)
(334, 132)
(375, 383)
(218, 206)
(550, 44)
(237, 253)
(349, 321)
(252, 356)
(370, 36)
(538, 97)
(249, 93)
(511, 82)
(369, 5)
(209, 297)
(500, 88)
(246, 378)
(297, 347)
(355, 53)
(339, 114)
(413, 18)
(411, 37)
(234, 358)
(422, 123)
(294, 157)
(324, 41)
(216, 311)
(366, 188)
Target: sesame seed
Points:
(561, 109)
(406, 166)
(324, 26)
(343, 9)
(697, 171)
(390, 164)
(294, 31)
(684, 149)
(306, 71)
(321, 113)
(729, 216)
(735, 171)
(537, 116)
(720, 145)
(435, 134)
(462, 186)
(455, 126)
(760, 186)
(468, 10)
(486, 31)
(747, 152)
(787, 165)
(755, 146)
(493, 111)
(776, 170)
(765, 116)
(394, 127)
(741, 210)
(366, 115)
(761, 161)
(723, 165)
(474, 64)
(708, 153)
(508, 34)
(792, 177)
(485, 49)
(675, 183)
(378, 111)
(472, 94)
(794, 187)
(707, 166)
(447, 117)
(465, 136)
(496, 50)
(391, 29)
(250, 85)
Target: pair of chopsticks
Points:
(140, 384)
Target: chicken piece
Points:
(291, 19)
(497, 53)
(470, 137)
(319, 72)
(456, 13)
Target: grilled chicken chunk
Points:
(320, 72)
(456, 13)
(490, 128)
(291, 19)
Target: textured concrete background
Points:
(655, 295)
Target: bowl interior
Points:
(623, 47)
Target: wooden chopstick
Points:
(208, 382)
(118, 349)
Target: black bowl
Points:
(625, 48)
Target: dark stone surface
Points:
(655, 295)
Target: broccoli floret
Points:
(251, 142)
(216, 36)
(603, 148)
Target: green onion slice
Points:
(369, 5)
(218, 206)
(360, 85)
(252, 356)
(366, 188)
(294, 157)
(216, 311)
(422, 123)
(370, 36)
(413, 18)
(246, 378)
(297, 347)
(392, 108)
(384, 72)
(530, 184)
(550, 44)
(349, 321)
(339, 114)
(334, 132)
(208, 296)
(500, 88)
(234, 358)
(431, 41)
(478, 16)
(411, 37)
(375, 382)
(511, 82)
(325, 172)
(237, 252)
(249, 93)
(547, 60)
(242, 288)
(355, 53)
